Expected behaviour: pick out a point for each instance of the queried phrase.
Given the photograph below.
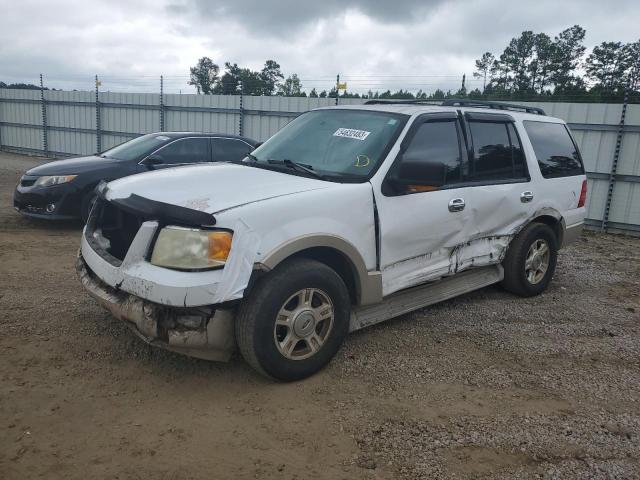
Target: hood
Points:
(214, 187)
(72, 166)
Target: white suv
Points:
(346, 217)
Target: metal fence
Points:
(61, 123)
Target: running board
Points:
(418, 297)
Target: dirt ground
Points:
(484, 386)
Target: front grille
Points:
(111, 230)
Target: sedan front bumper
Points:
(203, 332)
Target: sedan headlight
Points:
(48, 181)
(191, 249)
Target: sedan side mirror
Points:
(153, 160)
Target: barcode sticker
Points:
(351, 133)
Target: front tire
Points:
(530, 261)
(294, 320)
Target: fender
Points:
(368, 284)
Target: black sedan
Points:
(64, 189)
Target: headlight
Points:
(53, 180)
(190, 248)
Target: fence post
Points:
(614, 163)
(45, 126)
(161, 104)
(241, 110)
(98, 127)
(337, 87)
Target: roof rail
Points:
(401, 101)
(464, 102)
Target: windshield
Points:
(137, 147)
(344, 143)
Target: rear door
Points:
(183, 151)
(500, 193)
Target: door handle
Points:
(456, 205)
(526, 197)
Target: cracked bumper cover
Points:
(203, 332)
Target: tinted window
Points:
(137, 148)
(556, 153)
(187, 150)
(433, 155)
(497, 154)
(228, 149)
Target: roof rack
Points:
(401, 101)
(464, 102)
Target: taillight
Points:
(583, 194)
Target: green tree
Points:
(313, 93)
(541, 66)
(204, 75)
(483, 68)
(291, 87)
(607, 65)
(518, 57)
(633, 74)
(270, 76)
(568, 53)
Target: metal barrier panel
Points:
(75, 123)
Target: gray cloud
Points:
(129, 44)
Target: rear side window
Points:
(497, 153)
(186, 150)
(556, 153)
(229, 149)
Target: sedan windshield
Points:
(137, 148)
(341, 143)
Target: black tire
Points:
(256, 318)
(515, 273)
(87, 203)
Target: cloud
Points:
(374, 44)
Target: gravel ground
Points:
(484, 386)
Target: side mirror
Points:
(417, 171)
(153, 160)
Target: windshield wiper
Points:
(297, 166)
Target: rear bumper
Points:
(204, 332)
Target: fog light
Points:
(51, 207)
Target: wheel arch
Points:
(552, 218)
(337, 253)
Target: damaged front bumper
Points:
(202, 332)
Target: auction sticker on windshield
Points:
(351, 133)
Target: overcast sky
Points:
(369, 42)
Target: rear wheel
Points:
(294, 320)
(531, 260)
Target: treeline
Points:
(535, 65)
(21, 86)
